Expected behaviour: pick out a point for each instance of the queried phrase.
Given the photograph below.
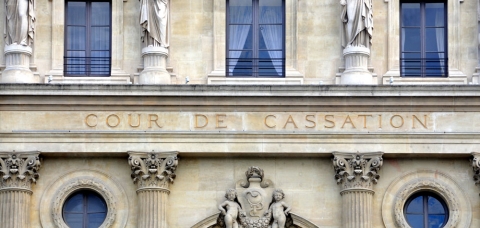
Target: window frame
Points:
(425, 195)
(256, 39)
(88, 40)
(423, 27)
(85, 193)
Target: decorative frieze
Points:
(357, 170)
(18, 169)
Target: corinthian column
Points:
(18, 170)
(153, 172)
(357, 173)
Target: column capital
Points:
(19, 169)
(476, 167)
(153, 170)
(357, 170)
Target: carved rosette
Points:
(153, 170)
(19, 169)
(357, 170)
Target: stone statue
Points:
(20, 22)
(154, 20)
(357, 21)
(233, 209)
(279, 209)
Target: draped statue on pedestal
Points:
(357, 21)
(20, 22)
(154, 20)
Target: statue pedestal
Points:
(17, 61)
(154, 66)
(356, 67)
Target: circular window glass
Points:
(84, 209)
(426, 210)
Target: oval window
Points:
(84, 209)
(426, 210)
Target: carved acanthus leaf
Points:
(357, 170)
(19, 169)
(476, 168)
(153, 169)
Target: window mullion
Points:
(423, 38)
(85, 219)
(425, 211)
(87, 41)
(256, 37)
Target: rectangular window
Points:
(256, 38)
(423, 42)
(87, 38)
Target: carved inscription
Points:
(260, 122)
(358, 121)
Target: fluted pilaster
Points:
(154, 212)
(357, 173)
(153, 172)
(18, 170)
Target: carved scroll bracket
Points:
(19, 169)
(357, 170)
(153, 170)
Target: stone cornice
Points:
(153, 169)
(357, 170)
(19, 169)
(242, 90)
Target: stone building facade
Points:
(158, 113)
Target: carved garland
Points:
(65, 192)
(427, 185)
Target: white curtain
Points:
(238, 33)
(439, 21)
(272, 34)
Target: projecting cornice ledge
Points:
(242, 90)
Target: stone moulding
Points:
(67, 184)
(402, 188)
(84, 184)
(297, 220)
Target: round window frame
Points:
(84, 185)
(397, 193)
(427, 194)
(85, 192)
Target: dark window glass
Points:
(87, 38)
(423, 39)
(426, 210)
(256, 38)
(84, 209)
